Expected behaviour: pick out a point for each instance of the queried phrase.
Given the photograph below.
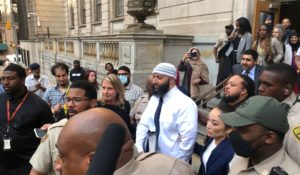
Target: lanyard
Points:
(10, 117)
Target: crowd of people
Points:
(272, 43)
(255, 129)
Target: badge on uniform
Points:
(296, 132)
(6, 143)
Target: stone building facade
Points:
(8, 27)
(89, 30)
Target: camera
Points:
(193, 54)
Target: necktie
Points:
(157, 115)
(247, 72)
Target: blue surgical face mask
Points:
(123, 79)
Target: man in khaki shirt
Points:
(278, 81)
(87, 128)
(80, 97)
(260, 125)
(141, 103)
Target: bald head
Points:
(78, 139)
(86, 128)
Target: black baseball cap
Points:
(34, 66)
(262, 110)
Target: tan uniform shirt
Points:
(151, 163)
(239, 165)
(43, 160)
(292, 137)
(138, 108)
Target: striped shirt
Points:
(132, 93)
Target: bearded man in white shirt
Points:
(176, 127)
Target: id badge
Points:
(6, 144)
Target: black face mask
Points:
(241, 146)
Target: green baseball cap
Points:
(262, 110)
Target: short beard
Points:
(230, 98)
(72, 111)
(161, 90)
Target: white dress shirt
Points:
(251, 73)
(30, 83)
(178, 124)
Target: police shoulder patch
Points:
(296, 132)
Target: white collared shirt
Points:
(178, 124)
(30, 83)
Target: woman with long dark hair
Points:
(91, 76)
(110, 69)
(239, 41)
(243, 38)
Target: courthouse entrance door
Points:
(278, 9)
(263, 9)
(291, 10)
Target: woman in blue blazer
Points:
(217, 152)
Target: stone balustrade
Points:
(100, 51)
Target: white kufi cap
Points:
(165, 69)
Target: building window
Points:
(119, 8)
(71, 13)
(98, 10)
(82, 12)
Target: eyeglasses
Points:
(76, 100)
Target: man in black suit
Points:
(249, 67)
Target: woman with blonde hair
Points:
(113, 98)
(269, 49)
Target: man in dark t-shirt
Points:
(78, 73)
(20, 112)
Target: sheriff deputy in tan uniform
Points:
(81, 96)
(86, 129)
(260, 125)
(141, 103)
(278, 81)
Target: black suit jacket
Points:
(218, 161)
(237, 69)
